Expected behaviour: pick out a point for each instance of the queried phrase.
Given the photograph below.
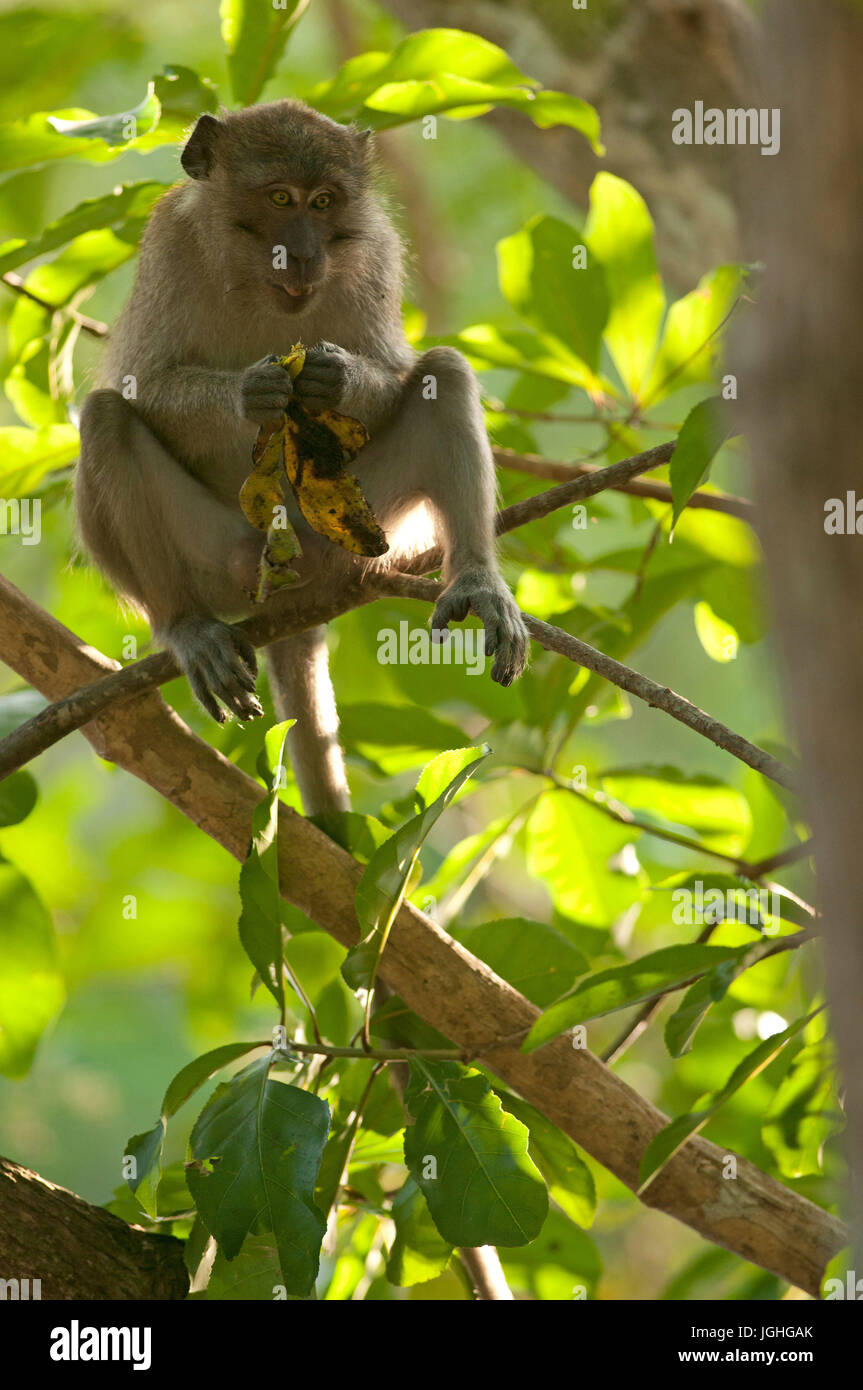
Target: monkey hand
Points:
(265, 391)
(483, 592)
(219, 663)
(322, 381)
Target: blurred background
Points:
(144, 905)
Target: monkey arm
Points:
(372, 390)
(184, 391)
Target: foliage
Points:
(557, 858)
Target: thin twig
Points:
(539, 467)
(615, 810)
(94, 327)
(276, 621)
(554, 639)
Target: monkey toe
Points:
(203, 696)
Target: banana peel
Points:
(311, 448)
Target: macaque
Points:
(277, 237)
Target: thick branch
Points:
(754, 1216)
(284, 616)
(79, 1251)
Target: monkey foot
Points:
(220, 665)
(484, 593)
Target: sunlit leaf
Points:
(606, 991)
(620, 232)
(540, 278)
(255, 36)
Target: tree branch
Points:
(94, 327)
(554, 639)
(755, 1216)
(294, 612)
(79, 1251)
(539, 467)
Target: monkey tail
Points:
(302, 690)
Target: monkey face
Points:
(283, 189)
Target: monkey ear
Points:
(363, 142)
(199, 152)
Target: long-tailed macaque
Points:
(278, 237)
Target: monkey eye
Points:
(280, 197)
(322, 200)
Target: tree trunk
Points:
(801, 383)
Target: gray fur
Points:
(160, 474)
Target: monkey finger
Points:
(203, 696)
(247, 709)
(228, 678)
(246, 650)
(450, 608)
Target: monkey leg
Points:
(302, 690)
(172, 546)
(436, 448)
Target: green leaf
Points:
(255, 36)
(569, 845)
(706, 804)
(535, 959)
(426, 54)
(539, 355)
(540, 281)
(382, 888)
(147, 1149)
(259, 1144)
(671, 1139)
(620, 232)
(26, 456)
(803, 1113)
(445, 70)
(710, 989)
(469, 1158)
(691, 339)
(718, 638)
(31, 985)
(172, 101)
(560, 1261)
(609, 990)
(253, 1276)
(359, 835)
(260, 924)
(130, 201)
(703, 433)
(418, 1252)
(18, 796)
(570, 1181)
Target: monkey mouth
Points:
(294, 297)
